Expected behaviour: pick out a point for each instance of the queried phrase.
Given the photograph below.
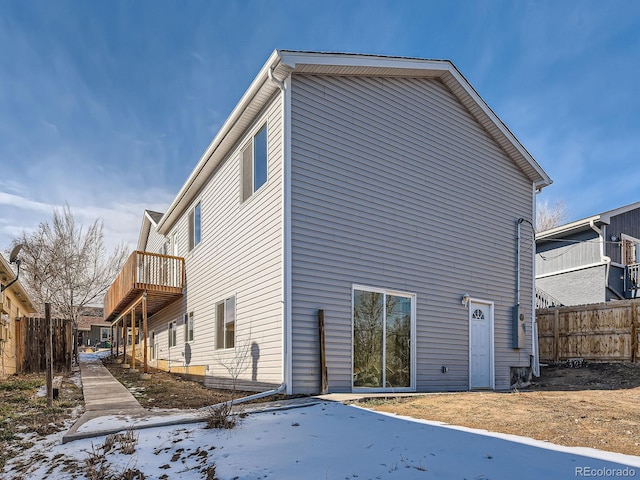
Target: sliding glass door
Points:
(383, 325)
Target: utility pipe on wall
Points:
(604, 259)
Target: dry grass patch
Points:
(566, 412)
(25, 417)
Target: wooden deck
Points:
(161, 276)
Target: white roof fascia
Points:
(619, 211)
(569, 227)
(293, 59)
(355, 64)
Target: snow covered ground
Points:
(326, 441)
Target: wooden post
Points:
(144, 330)
(556, 335)
(117, 340)
(48, 346)
(634, 331)
(133, 338)
(111, 340)
(124, 339)
(324, 380)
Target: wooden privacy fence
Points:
(31, 335)
(600, 332)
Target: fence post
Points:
(49, 353)
(556, 335)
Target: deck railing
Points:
(544, 300)
(152, 272)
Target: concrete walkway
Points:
(111, 408)
(103, 396)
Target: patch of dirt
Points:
(594, 406)
(588, 376)
(170, 390)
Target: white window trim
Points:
(152, 339)
(175, 332)
(263, 123)
(189, 320)
(235, 322)
(192, 227)
(628, 238)
(102, 329)
(412, 340)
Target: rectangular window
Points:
(104, 334)
(630, 250)
(174, 244)
(188, 327)
(154, 347)
(173, 334)
(225, 323)
(254, 164)
(194, 227)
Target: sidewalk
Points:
(111, 408)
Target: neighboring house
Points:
(593, 260)
(380, 190)
(16, 303)
(93, 329)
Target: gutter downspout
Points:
(248, 398)
(535, 344)
(286, 236)
(603, 258)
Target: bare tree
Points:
(67, 265)
(550, 216)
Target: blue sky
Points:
(108, 105)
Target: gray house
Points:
(380, 191)
(593, 260)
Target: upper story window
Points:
(194, 226)
(254, 164)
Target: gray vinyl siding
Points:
(616, 283)
(239, 254)
(572, 251)
(155, 241)
(395, 185)
(627, 223)
(576, 287)
(159, 323)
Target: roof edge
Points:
(292, 58)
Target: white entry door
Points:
(481, 369)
